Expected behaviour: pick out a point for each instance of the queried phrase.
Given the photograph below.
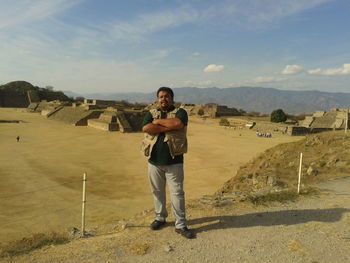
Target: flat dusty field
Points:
(41, 175)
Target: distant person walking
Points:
(164, 144)
(17, 138)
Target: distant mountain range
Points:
(263, 100)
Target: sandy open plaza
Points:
(41, 175)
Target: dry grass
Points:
(28, 244)
(138, 248)
(290, 195)
(296, 246)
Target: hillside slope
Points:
(325, 156)
(14, 94)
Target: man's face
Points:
(165, 101)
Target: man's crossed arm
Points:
(163, 125)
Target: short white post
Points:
(83, 207)
(299, 176)
(346, 120)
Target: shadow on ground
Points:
(286, 217)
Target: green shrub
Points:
(224, 122)
(278, 116)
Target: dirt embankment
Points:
(325, 156)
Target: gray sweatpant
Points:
(174, 175)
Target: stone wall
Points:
(101, 125)
(75, 116)
(135, 118)
(214, 111)
(270, 127)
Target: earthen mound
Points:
(325, 156)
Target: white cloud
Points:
(151, 23)
(267, 79)
(204, 83)
(156, 56)
(196, 54)
(213, 68)
(13, 13)
(292, 70)
(345, 70)
(245, 13)
(259, 13)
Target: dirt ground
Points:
(314, 229)
(41, 175)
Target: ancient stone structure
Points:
(321, 120)
(112, 119)
(297, 130)
(46, 108)
(32, 106)
(134, 118)
(272, 127)
(90, 104)
(77, 116)
(214, 111)
(107, 121)
(210, 110)
(193, 110)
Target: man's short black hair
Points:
(166, 89)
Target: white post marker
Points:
(346, 120)
(299, 177)
(83, 207)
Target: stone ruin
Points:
(210, 110)
(215, 110)
(92, 113)
(192, 109)
(107, 121)
(321, 120)
(91, 104)
(115, 120)
(77, 116)
(46, 108)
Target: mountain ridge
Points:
(258, 99)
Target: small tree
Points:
(224, 122)
(200, 112)
(278, 116)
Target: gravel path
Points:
(314, 229)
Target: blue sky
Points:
(139, 45)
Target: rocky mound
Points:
(325, 156)
(19, 94)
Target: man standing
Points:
(164, 144)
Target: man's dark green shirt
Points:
(160, 153)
